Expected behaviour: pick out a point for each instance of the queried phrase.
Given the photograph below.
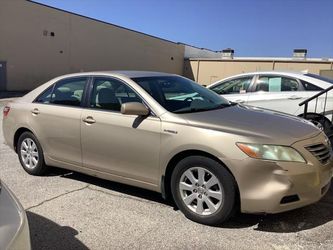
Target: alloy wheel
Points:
(201, 191)
(29, 153)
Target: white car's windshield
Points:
(322, 78)
(180, 95)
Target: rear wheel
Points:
(30, 154)
(203, 190)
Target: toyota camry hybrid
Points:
(209, 155)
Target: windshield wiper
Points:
(224, 105)
(193, 110)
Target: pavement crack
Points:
(56, 197)
(137, 240)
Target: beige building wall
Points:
(313, 67)
(327, 73)
(207, 71)
(78, 44)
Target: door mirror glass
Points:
(134, 108)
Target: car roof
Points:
(124, 73)
(296, 74)
(272, 72)
(135, 73)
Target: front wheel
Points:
(203, 190)
(30, 154)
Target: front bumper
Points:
(14, 228)
(274, 187)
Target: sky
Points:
(251, 27)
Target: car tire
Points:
(321, 122)
(30, 154)
(209, 195)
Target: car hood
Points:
(264, 125)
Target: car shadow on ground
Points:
(46, 234)
(112, 186)
(308, 217)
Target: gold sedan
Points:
(166, 133)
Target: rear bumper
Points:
(14, 228)
(274, 187)
(8, 128)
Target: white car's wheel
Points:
(320, 121)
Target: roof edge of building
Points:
(267, 59)
(104, 22)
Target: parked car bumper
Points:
(14, 228)
(274, 187)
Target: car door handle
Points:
(294, 97)
(35, 111)
(239, 101)
(89, 120)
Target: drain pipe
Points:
(198, 68)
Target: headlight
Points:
(271, 152)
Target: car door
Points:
(235, 90)
(278, 93)
(56, 119)
(126, 146)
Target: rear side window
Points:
(69, 92)
(45, 97)
(276, 84)
(234, 86)
(310, 87)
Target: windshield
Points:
(322, 78)
(180, 95)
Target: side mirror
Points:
(134, 108)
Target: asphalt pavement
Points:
(69, 210)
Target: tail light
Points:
(6, 110)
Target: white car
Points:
(280, 91)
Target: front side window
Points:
(109, 94)
(180, 95)
(69, 92)
(276, 84)
(234, 86)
